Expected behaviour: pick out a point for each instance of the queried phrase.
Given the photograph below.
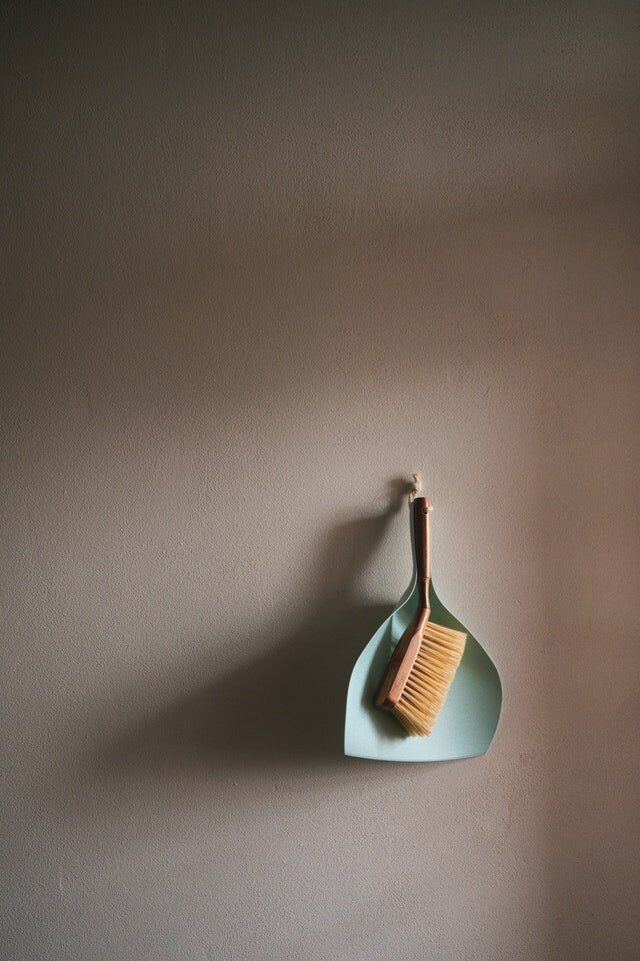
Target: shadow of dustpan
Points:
(470, 714)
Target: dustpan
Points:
(470, 715)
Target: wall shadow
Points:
(287, 705)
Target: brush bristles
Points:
(430, 678)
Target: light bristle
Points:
(430, 678)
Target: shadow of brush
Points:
(287, 705)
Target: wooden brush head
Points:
(429, 679)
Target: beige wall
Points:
(263, 261)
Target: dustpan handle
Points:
(422, 547)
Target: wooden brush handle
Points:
(406, 650)
(422, 546)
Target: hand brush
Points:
(423, 665)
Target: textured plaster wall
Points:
(262, 261)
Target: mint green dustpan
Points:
(470, 714)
